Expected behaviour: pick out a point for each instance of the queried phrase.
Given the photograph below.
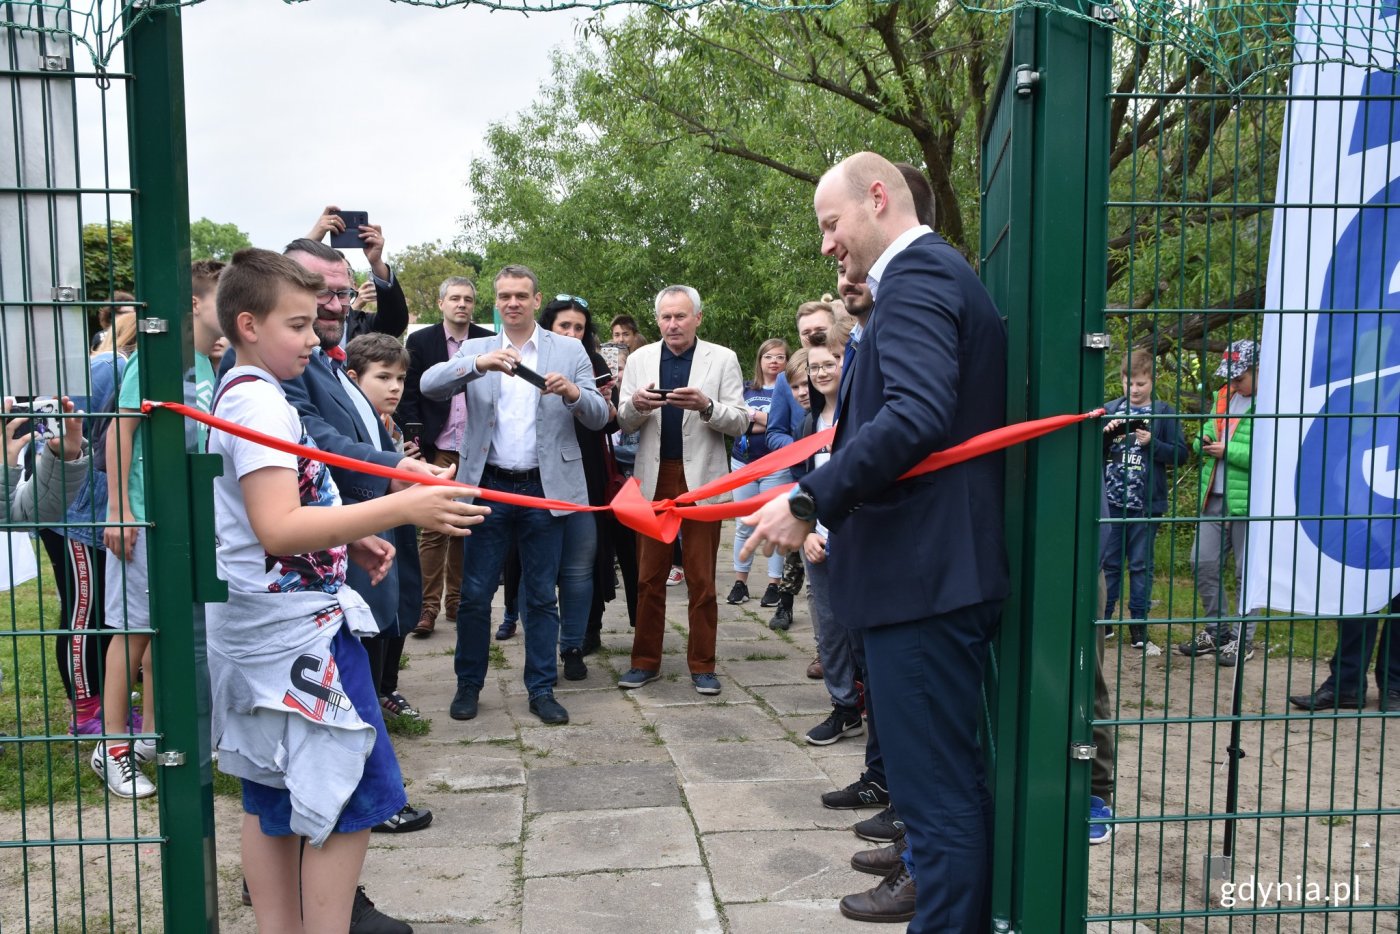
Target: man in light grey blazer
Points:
(520, 439)
(686, 395)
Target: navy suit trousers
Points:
(928, 675)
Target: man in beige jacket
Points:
(685, 395)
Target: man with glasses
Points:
(383, 288)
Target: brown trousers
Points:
(699, 555)
(441, 558)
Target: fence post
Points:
(156, 109)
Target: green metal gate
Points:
(1128, 188)
(84, 82)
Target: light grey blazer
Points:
(556, 445)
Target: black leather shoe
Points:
(548, 709)
(1390, 700)
(1326, 698)
(880, 860)
(892, 900)
(464, 703)
(366, 919)
(406, 821)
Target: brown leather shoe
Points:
(814, 670)
(424, 627)
(881, 860)
(892, 900)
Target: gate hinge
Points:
(1082, 751)
(51, 62)
(1098, 340)
(1026, 80)
(1103, 12)
(173, 757)
(65, 293)
(153, 325)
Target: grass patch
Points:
(764, 657)
(653, 733)
(497, 656)
(408, 726)
(404, 661)
(226, 786)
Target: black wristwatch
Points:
(801, 504)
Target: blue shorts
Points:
(379, 795)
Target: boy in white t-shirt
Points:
(286, 669)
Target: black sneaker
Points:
(407, 820)
(1203, 644)
(858, 794)
(366, 919)
(844, 721)
(782, 619)
(771, 597)
(738, 594)
(574, 668)
(882, 828)
(464, 703)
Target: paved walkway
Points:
(652, 811)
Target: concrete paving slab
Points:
(790, 670)
(813, 916)
(778, 865)
(725, 806)
(462, 885)
(654, 901)
(707, 724)
(591, 745)
(470, 769)
(601, 787)
(733, 650)
(745, 628)
(669, 693)
(589, 841)
(767, 761)
(806, 697)
(609, 707)
(486, 817)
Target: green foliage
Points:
(420, 270)
(209, 240)
(108, 260)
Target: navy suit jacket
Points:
(427, 347)
(930, 372)
(333, 422)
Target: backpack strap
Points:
(214, 406)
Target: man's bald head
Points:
(862, 204)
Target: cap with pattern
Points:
(1239, 358)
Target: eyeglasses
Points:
(346, 296)
(572, 298)
(823, 368)
(774, 356)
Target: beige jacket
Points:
(714, 370)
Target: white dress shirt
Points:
(513, 436)
(897, 246)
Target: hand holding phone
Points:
(349, 237)
(529, 376)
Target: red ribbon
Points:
(660, 520)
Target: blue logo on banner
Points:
(1347, 465)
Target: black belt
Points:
(511, 476)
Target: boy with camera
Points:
(1139, 444)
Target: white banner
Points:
(1326, 537)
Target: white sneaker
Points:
(123, 776)
(144, 750)
(1148, 648)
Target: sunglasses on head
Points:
(572, 298)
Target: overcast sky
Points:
(366, 104)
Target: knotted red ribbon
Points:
(660, 520)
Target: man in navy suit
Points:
(443, 423)
(920, 564)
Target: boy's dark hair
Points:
(204, 276)
(253, 281)
(1137, 363)
(314, 248)
(627, 321)
(374, 348)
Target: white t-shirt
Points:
(259, 403)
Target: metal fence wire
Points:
(1252, 676)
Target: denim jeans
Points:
(1130, 541)
(540, 536)
(841, 650)
(576, 577)
(741, 531)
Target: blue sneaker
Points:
(505, 630)
(636, 677)
(705, 683)
(1099, 832)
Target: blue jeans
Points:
(841, 650)
(741, 531)
(576, 577)
(540, 536)
(1134, 542)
